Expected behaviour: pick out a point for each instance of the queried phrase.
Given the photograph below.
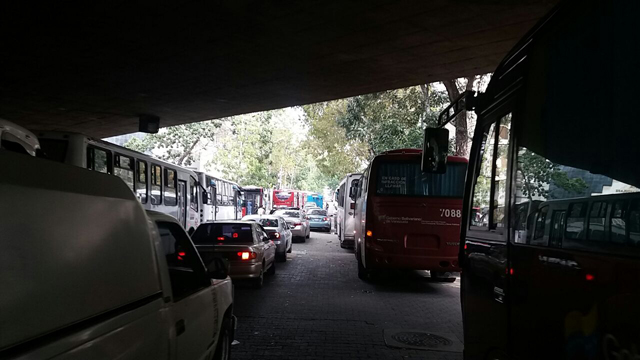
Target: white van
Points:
(85, 273)
(345, 216)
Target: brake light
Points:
(325, 218)
(246, 255)
(590, 277)
(369, 233)
(276, 235)
(297, 224)
(220, 238)
(235, 235)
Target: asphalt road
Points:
(315, 307)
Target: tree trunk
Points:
(462, 134)
(186, 153)
(426, 88)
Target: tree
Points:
(391, 119)
(454, 89)
(178, 144)
(538, 173)
(332, 153)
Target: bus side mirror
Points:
(434, 150)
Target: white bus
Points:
(225, 198)
(345, 216)
(159, 185)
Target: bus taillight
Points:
(369, 233)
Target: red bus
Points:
(550, 235)
(406, 219)
(285, 198)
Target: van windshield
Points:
(407, 179)
(210, 234)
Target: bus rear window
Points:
(210, 234)
(407, 179)
(54, 149)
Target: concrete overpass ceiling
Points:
(94, 68)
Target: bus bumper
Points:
(381, 260)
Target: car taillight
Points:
(220, 238)
(277, 235)
(325, 218)
(274, 235)
(246, 255)
(297, 224)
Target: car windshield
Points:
(286, 213)
(318, 212)
(229, 233)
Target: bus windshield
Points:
(407, 179)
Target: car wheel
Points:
(259, 281)
(290, 247)
(223, 349)
(363, 273)
(272, 269)
(342, 245)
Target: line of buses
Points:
(190, 196)
(543, 220)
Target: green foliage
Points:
(538, 173)
(329, 149)
(178, 144)
(391, 119)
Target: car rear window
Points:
(267, 222)
(406, 179)
(289, 213)
(208, 234)
(318, 212)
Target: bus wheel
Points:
(363, 273)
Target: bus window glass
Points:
(123, 168)
(500, 180)
(538, 237)
(575, 221)
(406, 179)
(141, 181)
(156, 185)
(597, 220)
(98, 160)
(193, 199)
(618, 222)
(634, 223)
(482, 188)
(170, 196)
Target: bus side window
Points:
(575, 221)
(99, 160)
(489, 193)
(156, 185)
(123, 168)
(141, 181)
(193, 200)
(597, 218)
(170, 185)
(634, 223)
(541, 220)
(618, 222)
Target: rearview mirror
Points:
(434, 150)
(218, 268)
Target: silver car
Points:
(297, 221)
(278, 231)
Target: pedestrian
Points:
(261, 210)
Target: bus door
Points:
(484, 280)
(182, 202)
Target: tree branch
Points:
(188, 152)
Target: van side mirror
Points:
(218, 268)
(205, 197)
(434, 150)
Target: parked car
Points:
(278, 231)
(297, 221)
(319, 220)
(90, 275)
(245, 244)
(310, 205)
